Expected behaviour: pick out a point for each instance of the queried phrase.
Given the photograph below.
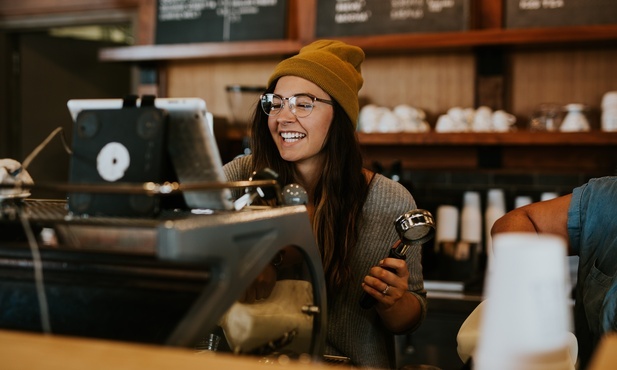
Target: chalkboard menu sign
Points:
(188, 21)
(378, 17)
(555, 13)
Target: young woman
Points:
(304, 129)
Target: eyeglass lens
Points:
(300, 105)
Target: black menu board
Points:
(188, 21)
(555, 13)
(378, 17)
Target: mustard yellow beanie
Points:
(332, 65)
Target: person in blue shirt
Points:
(587, 220)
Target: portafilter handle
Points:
(413, 227)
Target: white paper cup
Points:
(522, 200)
(526, 319)
(447, 224)
(548, 196)
(471, 218)
(495, 208)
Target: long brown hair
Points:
(340, 192)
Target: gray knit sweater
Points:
(352, 331)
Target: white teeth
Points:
(292, 136)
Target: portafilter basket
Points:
(415, 227)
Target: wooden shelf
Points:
(518, 138)
(523, 151)
(473, 38)
(199, 50)
(381, 43)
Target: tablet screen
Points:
(190, 141)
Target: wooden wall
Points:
(433, 82)
(562, 75)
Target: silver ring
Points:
(385, 291)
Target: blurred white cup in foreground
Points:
(526, 320)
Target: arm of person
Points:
(550, 217)
(401, 315)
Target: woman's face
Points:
(300, 140)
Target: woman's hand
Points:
(387, 282)
(262, 286)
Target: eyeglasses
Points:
(301, 105)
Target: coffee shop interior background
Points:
(52, 51)
(47, 59)
(55, 51)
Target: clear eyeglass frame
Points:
(301, 105)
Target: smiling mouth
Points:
(290, 137)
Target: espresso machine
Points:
(101, 264)
(167, 280)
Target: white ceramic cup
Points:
(609, 100)
(575, 119)
(457, 114)
(445, 123)
(609, 119)
(503, 121)
(482, 120)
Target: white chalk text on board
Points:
(537, 4)
(557, 13)
(186, 21)
(373, 17)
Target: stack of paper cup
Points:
(522, 200)
(470, 243)
(471, 218)
(447, 225)
(548, 195)
(526, 321)
(495, 208)
(609, 111)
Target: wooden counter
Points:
(21, 350)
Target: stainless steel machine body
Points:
(214, 256)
